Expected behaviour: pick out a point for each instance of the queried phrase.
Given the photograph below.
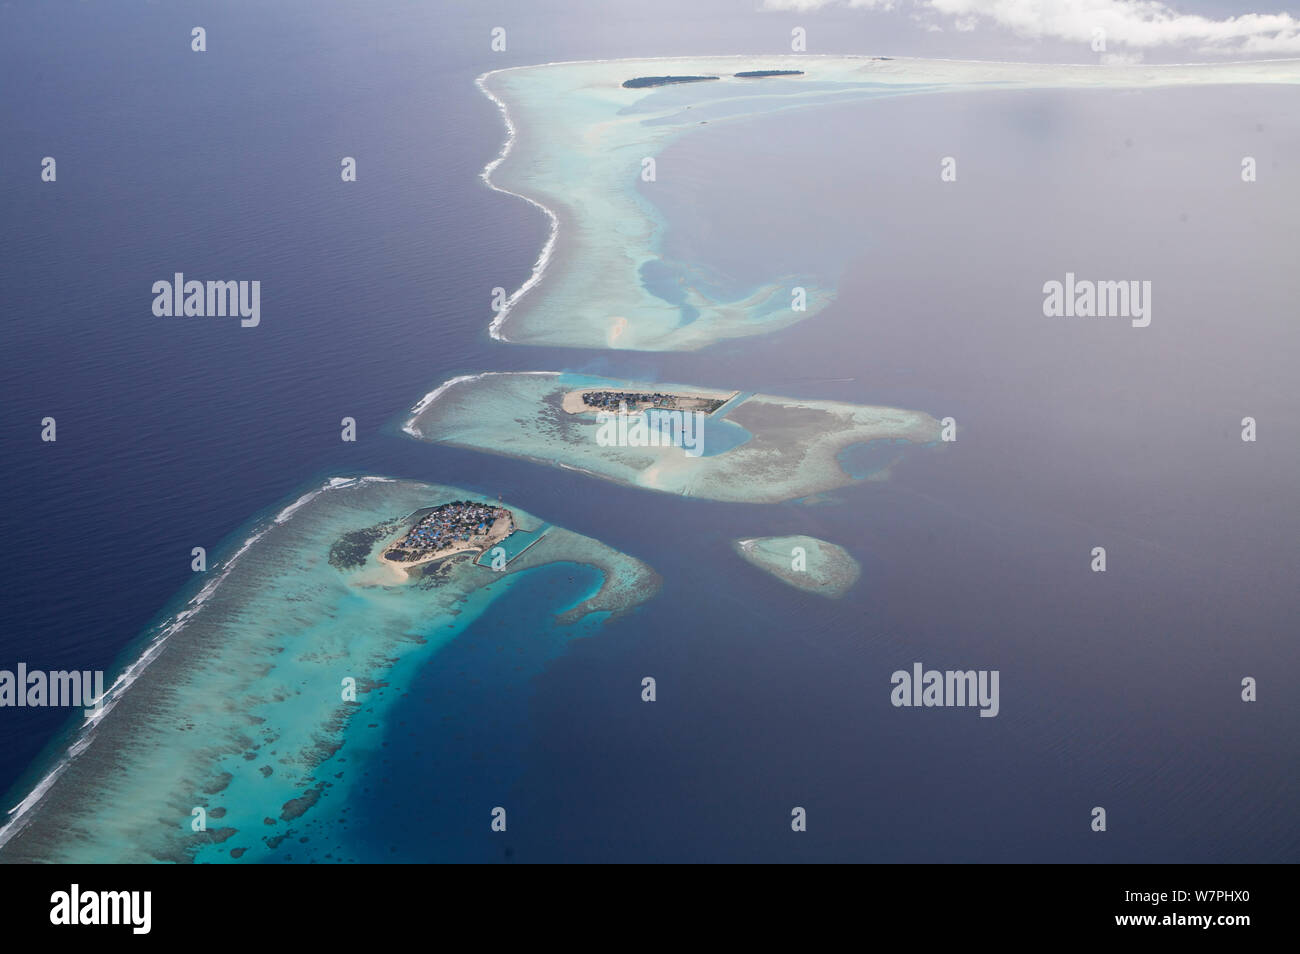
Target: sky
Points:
(1045, 31)
(1127, 29)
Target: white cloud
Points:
(818, 4)
(1140, 24)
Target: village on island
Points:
(475, 527)
(586, 400)
(461, 526)
(648, 418)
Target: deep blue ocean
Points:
(1118, 689)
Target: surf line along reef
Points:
(258, 704)
(578, 134)
(751, 447)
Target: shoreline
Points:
(573, 403)
(654, 328)
(430, 397)
(138, 751)
(493, 537)
(548, 247)
(81, 737)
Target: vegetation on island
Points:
(643, 82)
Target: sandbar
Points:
(807, 563)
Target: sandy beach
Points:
(501, 528)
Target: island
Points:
(450, 529)
(758, 74)
(807, 563)
(645, 82)
(268, 699)
(708, 442)
(588, 400)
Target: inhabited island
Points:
(587, 400)
(675, 438)
(805, 562)
(462, 526)
(644, 82)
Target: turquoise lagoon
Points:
(756, 447)
(576, 145)
(239, 711)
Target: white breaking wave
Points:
(436, 393)
(289, 511)
(544, 258)
(85, 734)
(423, 404)
(495, 328)
(581, 470)
(548, 248)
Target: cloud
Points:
(1139, 24)
(818, 4)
